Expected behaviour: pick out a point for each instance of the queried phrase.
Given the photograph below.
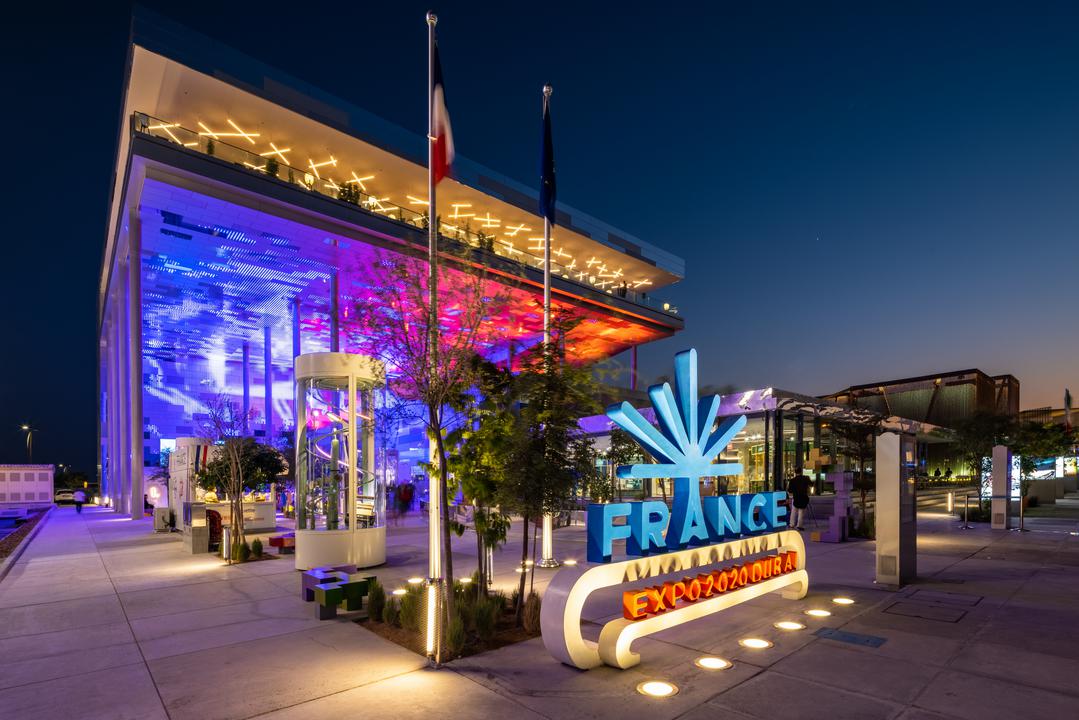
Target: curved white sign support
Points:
(564, 599)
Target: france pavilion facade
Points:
(244, 207)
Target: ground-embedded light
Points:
(712, 663)
(399, 591)
(569, 562)
(789, 625)
(755, 643)
(466, 580)
(817, 612)
(842, 601)
(415, 580)
(657, 688)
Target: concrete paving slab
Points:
(60, 615)
(118, 693)
(775, 696)
(1023, 665)
(197, 596)
(419, 695)
(177, 633)
(871, 673)
(261, 675)
(980, 698)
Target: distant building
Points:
(26, 484)
(1047, 416)
(942, 399)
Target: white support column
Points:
(134, 337)
(120, 420)
(353, 454)
(267, 378)
(1002, 488)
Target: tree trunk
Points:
(481, 554)
(521, 582)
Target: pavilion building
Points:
(244, 209)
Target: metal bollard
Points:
(966, 513)
(1020, 528)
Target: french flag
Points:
(441, 133)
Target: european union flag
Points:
(547, 182)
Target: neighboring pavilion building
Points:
(941, 399)
(244, 206)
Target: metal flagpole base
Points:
(548, 563)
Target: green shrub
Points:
(376, 600)
(245, 552)
(455, 635)
(256, 548)
(391, 615)
(499, 596)
(515, 596)
(531, 616)
(485, 618)
(412, 607)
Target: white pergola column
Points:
(895, 510)
(134, 338)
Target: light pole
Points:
(29, 443)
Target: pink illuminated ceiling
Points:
(217, 272)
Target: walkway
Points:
(103, 619)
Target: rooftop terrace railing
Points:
(353, 192)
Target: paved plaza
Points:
(101, 618)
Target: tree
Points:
(623, 451)
(429, 358)
(260, 466)
(1034, 442)
(859, 439)
(483, 447)
(225, 424)
(975, 437)
(554, 394)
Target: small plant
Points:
(411, 606)
(376, 601)
(455, 635)
(485, 618)
(245, 552)
(209, 146)
(271, 166)
(256, 548)
(391, 615)
(531, 615)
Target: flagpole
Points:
(434, 485)
(547, 558)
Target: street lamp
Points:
(29, 443)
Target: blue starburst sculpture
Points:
(684, 445)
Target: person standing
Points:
(798, 489)
(80, 498)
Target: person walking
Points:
(80, 498)
(798, 489)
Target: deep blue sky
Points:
(862, 191)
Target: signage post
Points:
(896, 510)
(1002, 488)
